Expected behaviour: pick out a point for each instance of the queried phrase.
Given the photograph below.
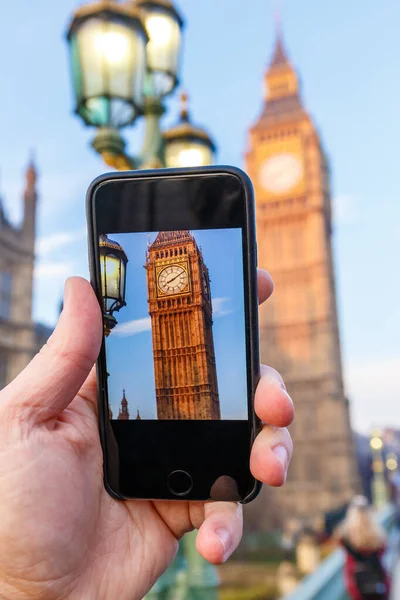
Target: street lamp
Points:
(113, 262)
(391, 462)
(187, 145)
(125, 61)
(379, 491)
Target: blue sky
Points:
(347, 55)
(129, 347)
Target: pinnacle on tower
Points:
(184, 112)
(281, 85)
(30, 200)
(31, 175)
(123, 414)
(279, 56)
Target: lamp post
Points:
(125, 61)
(379, 491)
(113, 261)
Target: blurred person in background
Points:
(364, 542)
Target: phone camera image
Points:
(174, 322)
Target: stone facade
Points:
(181, 318)
(20, 337)
(299, 325)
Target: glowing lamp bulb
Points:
(376, 443)
(159, 29)
(191, 157)
(113, 46)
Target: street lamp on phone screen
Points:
(113, 261)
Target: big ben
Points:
(180, 308)
(299, 326)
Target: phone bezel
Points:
(251, 298)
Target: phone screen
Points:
(173, 258)
(178, 350)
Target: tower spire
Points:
(31, 174)
(30, 198)
(281, 85)
(124, 410)
(279, 56)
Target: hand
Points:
(61, 535)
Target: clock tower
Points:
(299, 326)
(180, 308)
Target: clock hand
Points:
(173, 279)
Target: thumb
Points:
(53, 378)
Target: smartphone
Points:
(172, 257)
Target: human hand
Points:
(61, 535)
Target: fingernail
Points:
(225, 538)
(67, 290)
(282, 454)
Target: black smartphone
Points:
(173, 262)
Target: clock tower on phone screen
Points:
(180, 309)
(299, 325)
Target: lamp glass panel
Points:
(76, 67)
(112, 67)
(113, 276)
(103, 274)
(162, 49)
(122, 281)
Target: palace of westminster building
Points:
(20, 337)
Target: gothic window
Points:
(5, 295)
(196, 379)
(157, 255)
(180, 251)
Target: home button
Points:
(180, 483)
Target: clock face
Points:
(281, 172)
(173, 279)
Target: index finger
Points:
(265, 285)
